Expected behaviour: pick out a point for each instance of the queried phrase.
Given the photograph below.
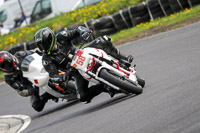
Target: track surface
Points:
(170, 103)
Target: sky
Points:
(1, 2)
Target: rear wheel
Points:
(117, 81)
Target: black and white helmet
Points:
(45, 40)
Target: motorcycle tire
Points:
(141, 81)
(117, 81)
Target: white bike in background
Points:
(33, 69)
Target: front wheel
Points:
(117, 81)
(141, 81)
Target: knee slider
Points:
(105, 41)
(107, 38)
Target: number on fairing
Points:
(80, 60)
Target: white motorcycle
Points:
(96, 66)
(34, 71)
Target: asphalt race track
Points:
(170, 103)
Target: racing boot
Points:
(46, 96)
(38, 103)
(94, 91)
(113, 51)
(111, 91)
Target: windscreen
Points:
(3, 16)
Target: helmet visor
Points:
(47, 46)
(51, 41)
(40, 46)
(7, 66)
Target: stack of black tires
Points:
(158, 8)
(126, 18)
(22, 47)
(142, 12)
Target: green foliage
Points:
(78, 16)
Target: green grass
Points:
(1, 75)
(172, 22)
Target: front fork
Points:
(130, 76)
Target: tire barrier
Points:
(142, 12)
(125, 18)
(178, 5)
(154, 9)
(193, 2)
(138, 14)
(104, 26)
(158, 8)
(21, 47)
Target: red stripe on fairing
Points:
(97, 49)
(117, 65)
(1, 59)
(92, 65)
(89, 78)
(131, 70)
(120, 69)
(80, 52)
(14, 63)
(102, 54)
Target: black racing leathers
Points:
(23, 86)
(58, 60)
(15, 78)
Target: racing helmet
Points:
(45, 40)
(7, 62)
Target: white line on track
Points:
(14, 123)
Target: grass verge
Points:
(186, 17)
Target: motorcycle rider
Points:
(11, 67)
(55, 49)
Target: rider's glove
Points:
(24, 93)
(86, 35)
(17, 85)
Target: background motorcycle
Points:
(33, 69)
